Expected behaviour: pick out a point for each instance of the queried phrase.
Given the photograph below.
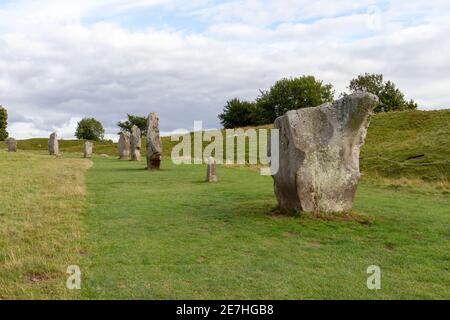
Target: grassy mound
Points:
(412, 145)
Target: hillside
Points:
(411, 145)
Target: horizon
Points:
(62, 61)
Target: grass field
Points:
(42, 202)
(168, 234)
(401, 148)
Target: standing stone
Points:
(211, 175)
(12, 144)
(124, 146)
(319, 154)
(135, 142)
(53, 145)
(154, 144)
(88, 149)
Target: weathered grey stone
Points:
(135, 142)
(88, 149)
(124, 146)
(154, 144)
(53, 145)
(211, 175)
(319, 154)
(12, 144)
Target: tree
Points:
(292, 94)
(3, 124)
(140, 122)
(238, 113)
(372, 83)
(391, 98)
(90, 129)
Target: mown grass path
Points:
(168, 234)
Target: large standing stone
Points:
(211, 175)
(88, 149)
(135, 144)
(124, 146)
(154, 145)
(53, 145)
(12, 144)
(319, 154)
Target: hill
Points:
(399, 145)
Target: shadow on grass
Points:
(322, 216)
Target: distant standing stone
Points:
(12, 144)
(124, 146)
(88, 149)
(154, 144)
(53, 145)
(135, 142)
(211, 175)
(319, 154)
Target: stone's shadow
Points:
(362, 219)
(339, 216)
(277, 212)
(204, 182)
(141, 169)
(129, 169)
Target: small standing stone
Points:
(211, 175)
(135, 142)
(53, 145)
(124, 146)
(154, 145)
(12, 144)
(88, 149)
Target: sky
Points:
(62, 60)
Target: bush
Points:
(238, 113)
(140, 122)
(292, 94)
(90, 129)
(391, 98)
(284, 95)
(3, 124)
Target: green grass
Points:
(42, 201)
(168, 234)
(394, 137)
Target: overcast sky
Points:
(62, 60)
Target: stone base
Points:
(154, 164)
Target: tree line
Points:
(286, 94)
(307, 91)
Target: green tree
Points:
(140, 122)
(3, 124)
(90, 129)
(292, 94)
(391, 98)
(238, 114)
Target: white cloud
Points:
(54, 69)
